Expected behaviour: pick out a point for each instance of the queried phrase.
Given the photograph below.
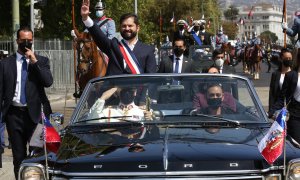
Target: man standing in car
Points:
(128, 56)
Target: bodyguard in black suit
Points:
(278, 75)
(129, 27)
(169, 64)
(290, 94)
(23, 77)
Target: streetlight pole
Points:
(135, 7)
(15, 22)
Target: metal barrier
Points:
(62, 68)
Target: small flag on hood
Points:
(271, 146)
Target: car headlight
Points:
(273, 177)
(31, 172)
(293, 172)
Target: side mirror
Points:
(57, 118)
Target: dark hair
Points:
(206, 69)
(129, 15)
(285, 50)
(214, 85)
(179, 39)
(217, 52)
(23, 28)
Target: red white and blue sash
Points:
(130, 58)
(196, 38)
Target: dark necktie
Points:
(176, 65)
(23, 81)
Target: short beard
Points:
(126, 37)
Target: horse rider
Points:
(107, 25)
(221, 38)
(295, 29)
(255, 40)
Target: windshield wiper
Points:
(120, 118)
(237, 123)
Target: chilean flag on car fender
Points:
(271, 146)
(45, 134)
(51, 136)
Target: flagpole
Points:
(284, 150)
(45, 149)
(284, 19)
(160, 26)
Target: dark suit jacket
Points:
(228, 69)
(144, 53)
(287, 91)
(166, 65)
(39, 77)
(274, 91)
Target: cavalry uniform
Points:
(220, 39)
(107, 25)
(295, 29)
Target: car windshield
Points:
(169, 98)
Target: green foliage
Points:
(231, 13)
(268, 37)
(57, 16)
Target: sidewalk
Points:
(6, 172)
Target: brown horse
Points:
(90, 61)
(226, 48)
(255, 60)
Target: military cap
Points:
(181, 22)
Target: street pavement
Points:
(65, 103)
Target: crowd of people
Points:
(25, 75)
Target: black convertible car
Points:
(165, 126)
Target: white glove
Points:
(284, 26)
(73, 34)
(96, 109)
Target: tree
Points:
(230, 29)
(231, 13)
(268, 37)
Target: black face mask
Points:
(196, 28)
(287, 63)
(202, 27)
(23, 45)
(214, 102)
(127, 96)
(181, 28)
(178, 51)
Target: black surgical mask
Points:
(196, 28)
(178, 51)
(23, 45)
(287, 63)
(181, 27)
(127, 96)
(202, 27)
(214, 102)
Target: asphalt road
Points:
(67, 106)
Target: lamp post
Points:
(135, 7)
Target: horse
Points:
(226, 48)
(255, 60)
(90, 61)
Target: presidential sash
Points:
(196, 38)
(130, 58)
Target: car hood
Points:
(155, 148)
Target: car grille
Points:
(167, 178)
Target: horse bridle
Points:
(84, 60)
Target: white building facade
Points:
(264, 17)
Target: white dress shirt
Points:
(180, 63)
(17, 95)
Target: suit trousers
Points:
(293, 126)
(20, 128)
